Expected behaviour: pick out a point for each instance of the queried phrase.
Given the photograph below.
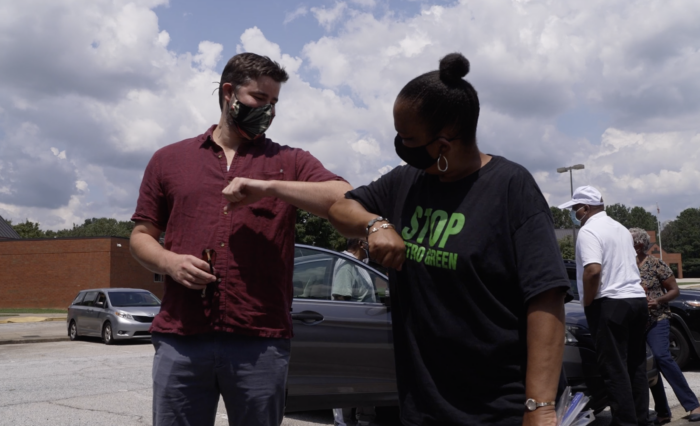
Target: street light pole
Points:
(571, 182)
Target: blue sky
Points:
(88, 94)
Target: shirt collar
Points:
(596, 217)
(207, 140)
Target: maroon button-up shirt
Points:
(181, 194)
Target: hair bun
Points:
(453, 67)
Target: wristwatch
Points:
(533, 405)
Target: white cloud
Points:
(635, 62)
(295, 14)
(327, 18)
(365, 3)
(368, 147)
(59, 154)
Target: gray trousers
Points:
(191, 372)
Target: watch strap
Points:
(533, 405)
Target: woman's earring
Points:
(446, 164)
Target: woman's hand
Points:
(652, 303)
(386, 247)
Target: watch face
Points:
(530, 404)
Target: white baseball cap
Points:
(584, 195)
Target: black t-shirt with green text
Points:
(477, 250)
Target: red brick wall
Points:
(127, 272)
(49, 273)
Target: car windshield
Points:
(123, 299)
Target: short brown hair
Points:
(248, 66)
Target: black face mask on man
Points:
(250, 121)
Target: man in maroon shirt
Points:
(228, 196)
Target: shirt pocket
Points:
(268, 207)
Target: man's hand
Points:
(543, 416)
(386, 247)
(189, 271)
(243, 191)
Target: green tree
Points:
(315, 231)
(562, 218)
(620, 213)
(640, 218)
(566, 247)
(682, 235)
(96, 227)
(28, 229)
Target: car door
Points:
(100, 311)
(86, 316)
(342, 351)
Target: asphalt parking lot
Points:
(87, 383)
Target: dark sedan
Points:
(342, 351)
(685, 327)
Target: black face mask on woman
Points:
(418, 157)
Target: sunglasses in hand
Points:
(209, 256)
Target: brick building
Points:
(48, 273)
(669, 258)
(7, 232)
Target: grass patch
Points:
(32, 311)
(680, 284)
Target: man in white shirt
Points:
(351, 282)
(615, 305)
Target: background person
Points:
(353, 283)
(660, 286)
(350, 281)
(614, 303)
(477, 281)
(236, 192)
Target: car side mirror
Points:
(100, 305)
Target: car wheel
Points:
(73, 331)
(107, 337)
(680, 350)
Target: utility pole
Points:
(658, 225)
(571, 182)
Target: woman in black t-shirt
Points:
(477, 282)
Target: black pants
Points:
(618, 329)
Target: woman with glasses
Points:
(477, 282)
(660, 285)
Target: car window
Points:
(571, 272)
(301, 252)
(312, 276)
(353, 282)
(124, 299)
(89, 299)
(381, 286)
(78, 298)
(101, 299)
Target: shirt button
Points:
(223, 245)
(225, 212)
(219, 155)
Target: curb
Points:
(39, 340)
(15, 320)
